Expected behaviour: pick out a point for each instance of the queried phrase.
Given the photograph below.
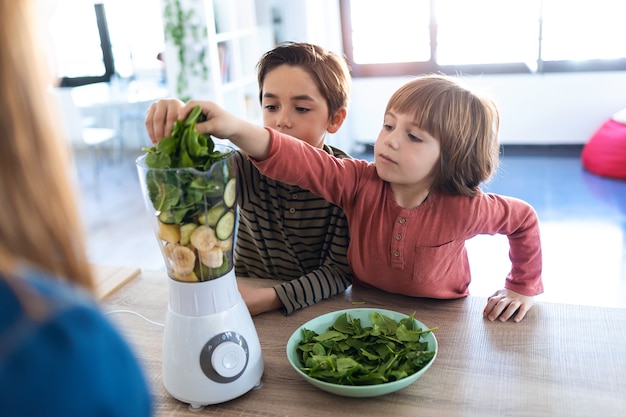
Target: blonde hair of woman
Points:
(40, 224)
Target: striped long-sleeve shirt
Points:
(288, 233)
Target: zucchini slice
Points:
(211, 217)
(230, 193)
(225, 225)
(166, 217)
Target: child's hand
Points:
(160, 118)
(252, 139)
(218, 122)
(259, 300)
(505, 304)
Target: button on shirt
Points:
(398, 250)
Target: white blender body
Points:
(211, 350)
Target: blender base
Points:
(214, 357)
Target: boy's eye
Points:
(302, 109)
(387, 127)
(270, 107)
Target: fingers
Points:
(209, 110)
(186, 109)
(490, 310)
(504, 305)
(521, 312)
(504, 310)
(160, 118)
(162, 115)
(495, 306)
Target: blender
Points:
(211, 350)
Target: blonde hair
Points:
(329, 71)
(40, 225)
(465, 123)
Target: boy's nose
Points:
(283, 120)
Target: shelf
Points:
(241, 35)
(235, 34)
(239, 32)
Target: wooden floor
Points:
(583, 221)
(116, 220)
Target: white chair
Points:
(81, 133)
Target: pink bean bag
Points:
(605, 153)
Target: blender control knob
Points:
(224, 357)
(228, 359)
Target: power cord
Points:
(135, 314)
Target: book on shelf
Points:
(224, 57)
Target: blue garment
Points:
(71, 362)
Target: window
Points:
(94, 40)
(404, 37)
(81, 40)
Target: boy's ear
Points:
(337, 120)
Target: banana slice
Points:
(168, 249)
(192, 277)
(225, 245)
(213, 258)
(183, 260)
(203, 238)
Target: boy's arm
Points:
(328, 280)
(259, 300)
(318, 285)
(332, 277)
(325, 282)
(252, 139)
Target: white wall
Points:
(534, 109)
(561, 108)
(318, 22)
(564, 108)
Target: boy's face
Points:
(293, 104)
(404, 154)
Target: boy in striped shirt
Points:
(286, 232)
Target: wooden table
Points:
(562, 360)
(110, 278)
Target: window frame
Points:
(431, 66)
(107, 54)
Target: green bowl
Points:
(322, 323)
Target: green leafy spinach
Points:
(349, 354)
(179, 194)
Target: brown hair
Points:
(40, 224)
(330, 72)
(465, 123)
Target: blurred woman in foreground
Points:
(59, 355)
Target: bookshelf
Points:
(237, 32)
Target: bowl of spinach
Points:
(362, 352)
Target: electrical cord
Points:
(135, 314)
